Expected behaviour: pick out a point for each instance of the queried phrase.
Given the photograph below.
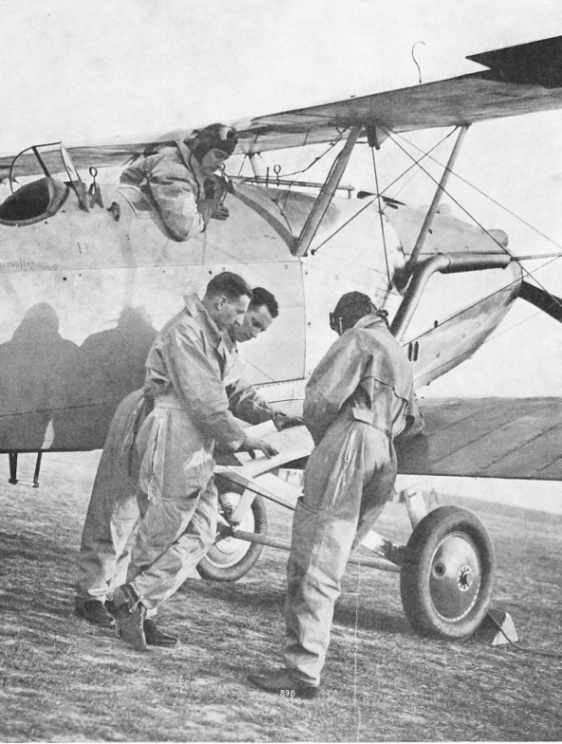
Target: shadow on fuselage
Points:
(56, 395)
(35, 366)
(111, 364)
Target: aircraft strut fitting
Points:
(325, 196)
(445, 264)
(435, 203)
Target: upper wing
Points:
(522, 79)
(487, 437)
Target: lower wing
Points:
(487, 437)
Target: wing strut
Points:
(435, 203)
(325, 196)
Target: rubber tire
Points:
(210, 568)
(416, 572)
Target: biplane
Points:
(89, 274)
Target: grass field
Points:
(65, 680)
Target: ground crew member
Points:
(113, 511)
(244, 401)
(182, 182)
(360, 397)
(186, 370)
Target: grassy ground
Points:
(64, 680)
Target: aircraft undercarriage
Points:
(446, 568)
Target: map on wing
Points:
(292, 444)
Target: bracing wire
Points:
(314, 160)
(288, 191)
(417, 162)
(367, 284)
(318, 157)
(386, 188)
(555, 299)
(345, 224)
(357, 264)
(244, 159)
(487, 196)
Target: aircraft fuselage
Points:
(84, 292)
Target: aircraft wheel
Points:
(447, 576)
(229, 559)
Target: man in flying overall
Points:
(113, 511)
(181, 180)
(187, 369)
(359, 398)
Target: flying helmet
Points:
(350, 307)
(215, 136)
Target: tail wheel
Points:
(447, 576)
(229, 559)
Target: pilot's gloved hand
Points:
(206, 208)
(220, 213)
(217, 187)
(211, 189)
(282, 421)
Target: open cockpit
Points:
(33, 202)
(38, 200)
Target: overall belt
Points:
(168, 401)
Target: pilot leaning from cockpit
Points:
(113, 511)
(359, 398)
(182, 182)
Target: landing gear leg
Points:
(13, 457)
(37, 470)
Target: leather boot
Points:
(94, 612)
(284, 684)
(156, 637)
(130, 615)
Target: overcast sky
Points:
(115, 66)
(81, 70)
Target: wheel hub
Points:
(465, 578)
(455, 577)
(227, 549)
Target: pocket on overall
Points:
(149, 435)
(183, 464)
(330, 467)
(197, 471)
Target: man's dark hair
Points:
(232, 286)
(263, 297)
